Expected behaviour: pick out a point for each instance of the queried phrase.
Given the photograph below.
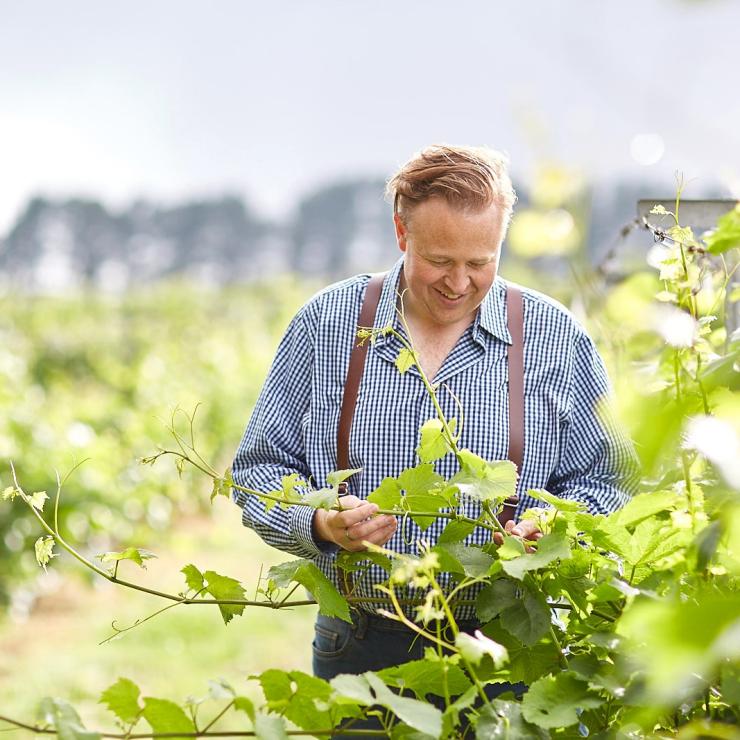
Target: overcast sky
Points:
(172, 99)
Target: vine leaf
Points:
(43, 548)
(433, 444)
(245, 705)
(65, 719)
(458, 558)
(455, 531)
(524, 613)
(475, 647)
(339, 476)
(37, 500)
(166, 716)
(294, 696)
(483, 480)
(269, 727)
(561, 504)
(368, 689)
(122, 698)
(137, 554)
(727, 234)
(501, 720)
(331, 602)
(645, 505)
(427, 677)
(193, 577)
(222, 485)
(405, 360)
(387, 495)
(224, 587)
(553, 701)
(10, 493)
(324, 498)
(551, 547)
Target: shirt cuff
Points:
(301, 525)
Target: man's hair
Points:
(467, 177)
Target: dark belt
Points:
(364, 620)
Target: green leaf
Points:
(512, 547)
(223, 587)
(37, 500)
(551, 547)
(387, 495)
(293, 695)
(493, 599)
(526, 663)
(44, 547)
(475, 647)
(675, 642)
(166, 716)
(552, 701)
(65, 719)
(331, 602)
(433, 444)
(193, 577)
(220, 689)
(645, 505)
(472, 561)
(324, 498)
(269, 727)
(122, 698)
(10, 493)
(242, 704)
(417, 714)
(222, 486)
(455, 531)
(420, 479)
(339, 476)
(425, 677)
(561, 504)
(528, 619)
(137, 554)
(354, 687)
(426, 502)
(502, 720)
(405, 360)
(727, 234)
(485, 481)
(350, 561)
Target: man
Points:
(452, 206)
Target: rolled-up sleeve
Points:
(598, 465)
(273, 445)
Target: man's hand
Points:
(526, 529)
(357, 523)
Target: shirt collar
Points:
(491, 315)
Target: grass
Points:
(57, 651)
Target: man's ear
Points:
(401, 232)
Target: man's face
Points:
(451, 260)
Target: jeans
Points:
(372, 643)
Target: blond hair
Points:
(467, 177)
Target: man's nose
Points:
(457, 279)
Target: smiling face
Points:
(451, 261)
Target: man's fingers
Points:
(365, 529)
(354, 515)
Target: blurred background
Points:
(176, 181)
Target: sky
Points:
(176, 100)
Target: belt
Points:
(363, 621)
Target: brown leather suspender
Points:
(515, 359)
(354, 373)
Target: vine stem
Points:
(223, 733)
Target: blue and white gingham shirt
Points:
(570, 449)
